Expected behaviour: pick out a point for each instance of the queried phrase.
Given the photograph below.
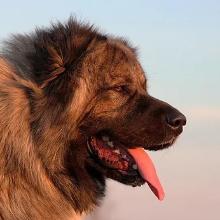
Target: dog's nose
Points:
(175, 119)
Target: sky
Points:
(179, 48)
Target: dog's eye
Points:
(121, 89)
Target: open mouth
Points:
(133, 161)
(111, 155)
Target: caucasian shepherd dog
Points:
(74, 111)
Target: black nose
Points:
(175, 119)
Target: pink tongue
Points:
(147, 171)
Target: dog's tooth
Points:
(117, 151)
(105, 138)
(124, 156)
(110, 144)
(89, 148)
(134, 166)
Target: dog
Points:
(75, 111)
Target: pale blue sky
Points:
(179, 47)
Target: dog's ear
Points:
(59, 49)
(51, 61)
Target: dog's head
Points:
(120, 114)
(95, 106)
